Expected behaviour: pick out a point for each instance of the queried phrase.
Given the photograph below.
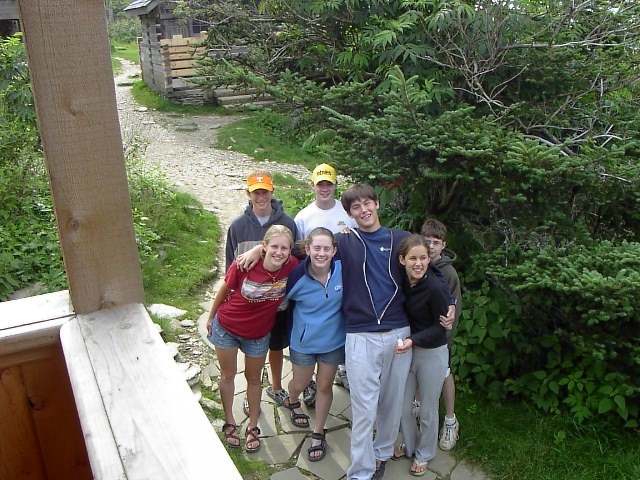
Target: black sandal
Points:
(322, 448)
(296, 417)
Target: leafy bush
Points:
(556, 326)
(124, 30)
(29, 247)
(18, 131)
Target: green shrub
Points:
(556, 326)
(125, 30)
(29, 247)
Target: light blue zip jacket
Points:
(318, 323)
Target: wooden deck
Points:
(126, 412)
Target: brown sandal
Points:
(252, 435)
(231, 435)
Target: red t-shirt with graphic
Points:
(250, 310)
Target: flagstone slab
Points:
(278, 449)
(443, 463)
(334, 465)
(289, 474)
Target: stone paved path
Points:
(283, 444)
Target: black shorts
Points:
(279, 334)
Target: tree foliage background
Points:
(515, 123)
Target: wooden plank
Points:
(159, 427)
(184, 72)
(184, 41)
(190, 49)
(184, 56)
(181, 64)
(24, 356)
(19, 450)
(101, 446)
(30, 336)
(79, 126)
(56, 419)
(35, 309)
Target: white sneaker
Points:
(449, 436)
(341, 377)
(415, 408)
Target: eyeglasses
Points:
(434, 243)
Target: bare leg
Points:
(228, 359)
(301, 378)
(324, 398)
(253, 373)
(449, 396)
(276, 361)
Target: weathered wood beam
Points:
(132, 401)
(69, 61)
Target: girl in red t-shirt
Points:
(242, 316)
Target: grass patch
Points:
(128, 51)
(250, 469)
(294, 193)
(512, 440)
(181, 266)
(260, 137)
(150, 99)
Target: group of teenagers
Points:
(339, 290)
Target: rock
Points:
(210, 404)
(191, 372)
(165, 311)
(30, 291)
(172, 348)
(187, 323)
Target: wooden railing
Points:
(126, 412)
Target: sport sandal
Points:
(322, 447)
(278, 396)
(300, 420)
(252, 436)
(230, 431)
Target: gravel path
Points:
(183, 148)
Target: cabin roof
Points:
(140, 7)
(8, 10)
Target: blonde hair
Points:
(275, 231)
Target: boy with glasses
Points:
(434, 232)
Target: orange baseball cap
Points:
(256, 182)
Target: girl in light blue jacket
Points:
(318, 333)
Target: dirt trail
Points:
(183, 148)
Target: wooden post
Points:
(69, 61)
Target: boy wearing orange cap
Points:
(244, 233)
